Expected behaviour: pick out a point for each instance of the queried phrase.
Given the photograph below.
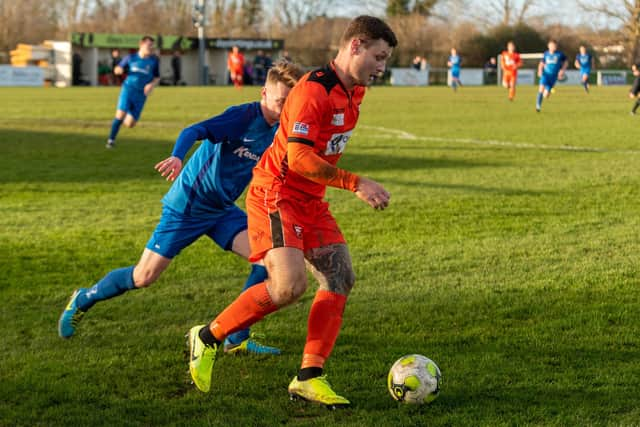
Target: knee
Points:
(143, 277)
(287, 291)
(343, 283)
(129, 123)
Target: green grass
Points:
(508, 256)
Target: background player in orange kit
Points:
(510, 62)
(289, 222)
(235, 64)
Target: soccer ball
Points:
(414, 379)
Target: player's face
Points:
(583, 50)
(146, 47)
(273, 97)
(369, 61)
(511, 47)
(552, 47)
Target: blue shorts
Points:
(548, 81)
(455, 73)
(176, 231)
(131, 102)
(585, 72)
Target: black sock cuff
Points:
(308, 373)
(207, 337)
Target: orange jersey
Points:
(510, 62)
(316, 123)
(235, 62)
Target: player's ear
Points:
(355, 46)
(263, 92)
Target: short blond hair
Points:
(285, 72)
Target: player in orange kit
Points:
(510, 62)
(290, 223)
(235, 64)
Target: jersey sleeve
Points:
(156, 68)
(305, 162)
(125, 61)
(306, 113)
(230, 125)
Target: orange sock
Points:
(252, 305)
(325, 320)
(512, 92)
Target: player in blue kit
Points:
(201, 200)
(584, 62)
(143, 74)
(551, 67)
(453, 63)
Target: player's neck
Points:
(142, 55)
(341, 66)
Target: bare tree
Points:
(627, 14)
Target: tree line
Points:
(429, 28)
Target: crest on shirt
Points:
(301, 128)
(298, 230)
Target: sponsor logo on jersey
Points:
(301, 128)
(337, 143)
(298, 230)
(244, 153)
(338, 119)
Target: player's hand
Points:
(372, 193)
(148, 88)
(561, 75)
(169, 168)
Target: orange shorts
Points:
(509, 79)
(279, 220)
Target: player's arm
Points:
(304, 161)
(148, 88)
(540, 67)
(576, 63)
(216, 129)
(565, 64)
(122, 65)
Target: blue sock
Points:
(454, 85)
(115, 127)
(113, 284)
(258, 275)
(539, 100)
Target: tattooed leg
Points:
(331, 266)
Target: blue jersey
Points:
(584, 61)
(455, 62)
(220, 169)
(140, 71)
(553, 62)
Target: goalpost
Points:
(527, 73)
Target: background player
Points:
(584, 62)
(551, 67)
(288, 220)
(453, 63)
(235, 64)
(143, 74)
(201, 200)
(510, 62)
(635, 88)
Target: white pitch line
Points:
(401, 134)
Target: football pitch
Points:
(508, 255)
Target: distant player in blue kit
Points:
(551, 68)
(143, 74)
(584, 62)
(201, 200)
(454, 63)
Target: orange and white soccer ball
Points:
(414, 379)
